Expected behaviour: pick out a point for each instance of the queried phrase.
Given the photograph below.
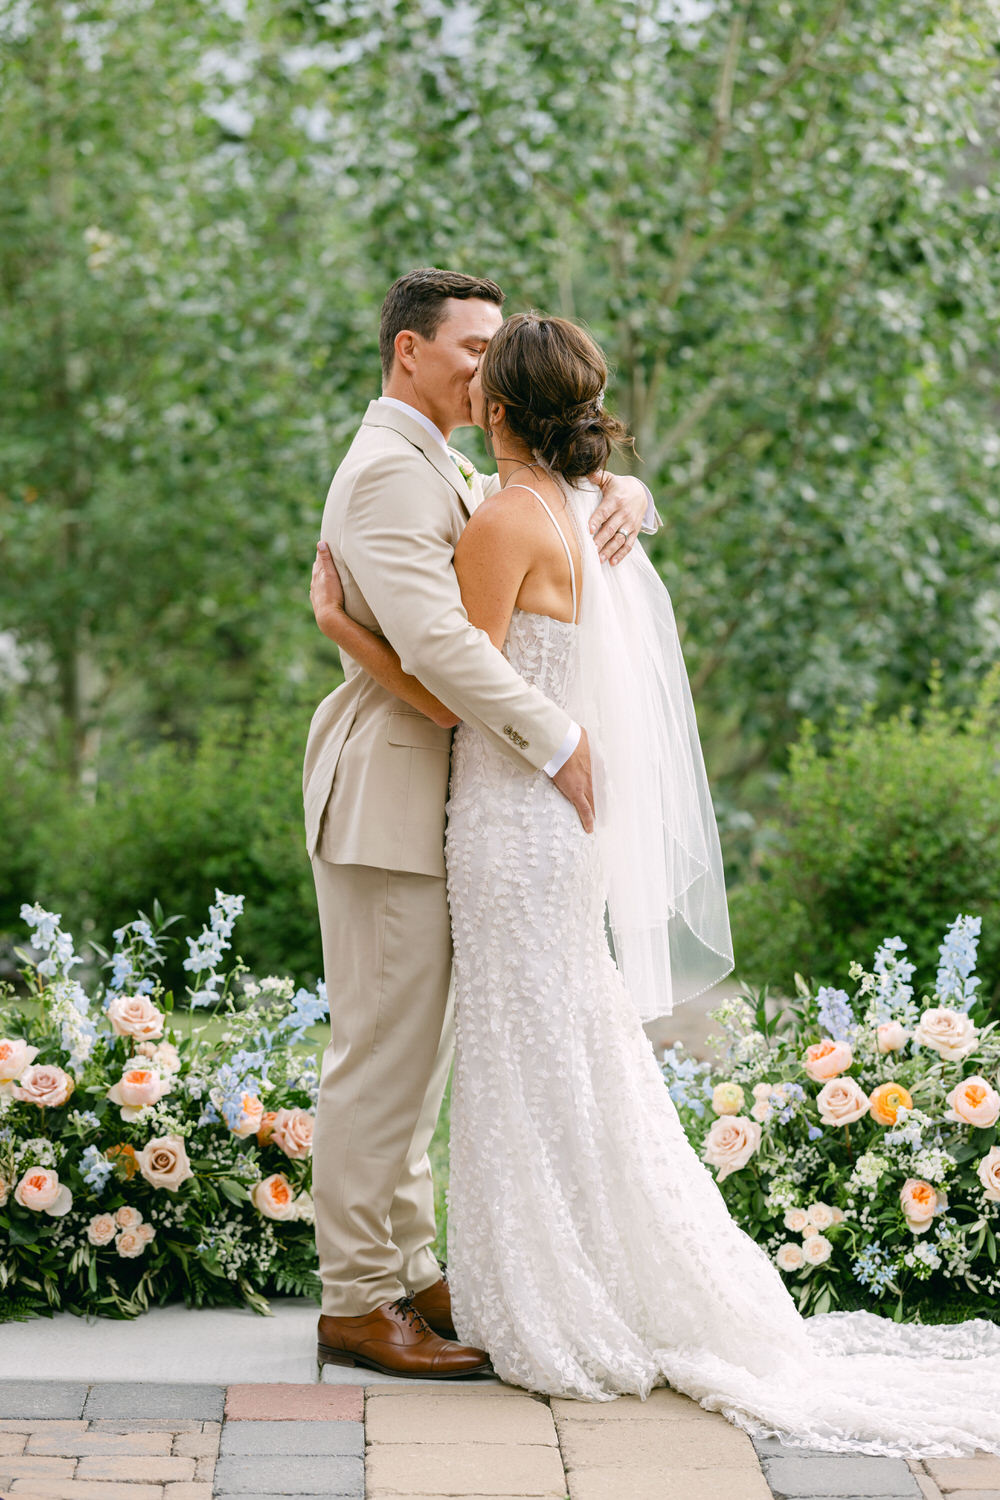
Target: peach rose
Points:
(790, 1257)
(730, 1143)
(886, 1101)
(168, 1057)
(136, 1089)
(796, 1219)
(293, 1133)
(920, 1202)
(841, 1102)
(102, 1229)
(273, 1197)
(838, 1214)
(45, 1085)
(974, 1102)
(4, 1190)
(266, 1129)
(15, 1055)
(164, 1162)
(892, 1036)
(135, 1015)
(128, 1218)
(249, 1121)
(949, 1032)
(816, 1249)
(988, 1173)
(41, 1191)
(131, 1242)
(820, 1214)
(827, 1058)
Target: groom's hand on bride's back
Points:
(575, 782)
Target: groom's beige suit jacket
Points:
(375, 779)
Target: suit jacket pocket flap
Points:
(415, 730)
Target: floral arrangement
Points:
(854, 1136)
(142, 1160)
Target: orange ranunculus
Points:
(886, 1101)
(124, 1159)
(266, 1128)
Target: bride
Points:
(590, 1251)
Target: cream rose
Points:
(730, 1143)
(920, 1201)
(762, 1090)
(816, 1249)
(273, 1197)
(795, 1219)
(102, 1229)
(974, 1102)
(136, 1089)
(135, 1015)
(988, 1173)
(45, 1085)
(168, 1057)
(790, 1257)
(826, 1059)
(15, 1055)
(841, 1101)
(293, 1133)
(42, 1192)
(164, 1162)
(4, 1191)
(128, 1217)
(820, 1214)
(146, 1232)
(131, 1242)
(249, 1121)
(949, 1032)
(892, 1036)
(838, 1214)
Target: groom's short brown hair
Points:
(416, 301)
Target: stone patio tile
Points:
(12, 1442)
(172, 1425)
(676, 1484)
(660, 1405)
(82, 1489)
(973, 1495)
(306, 1439)
(297, 1403)
(463, 1469)
(141, 1399)
(77, 1444)
(42, 1398)
(41, 1424)
(433, 1417)
(599, 1444)
(28, 1466)
(278, 1474)
(856, 1476)
(929, 1490)
(188, 1489)
(980, 1472)
(131, 1469)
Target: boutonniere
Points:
(466, 469)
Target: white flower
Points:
(796, 1219)
(820, 1214)
(841, 1102)
(790, 1257)
(816, 1249)
(949, 1032)
(730, 1143)
(988, 1173)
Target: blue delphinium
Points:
(687, 1081)
(835, 1014)
(95, 1168)
(873, 1268)
(206, 950)
(955, 980)
(307, 1009)
(893, 992)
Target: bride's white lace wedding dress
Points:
(590, 1251)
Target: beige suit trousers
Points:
(387, 956)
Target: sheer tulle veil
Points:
(659, 840)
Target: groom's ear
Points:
(405, 346)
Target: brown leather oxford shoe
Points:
(434, 1306)
(396, 1340)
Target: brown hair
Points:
(550, 377)
(416, 301)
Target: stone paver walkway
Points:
(387, 1440)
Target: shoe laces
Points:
(405, 1306)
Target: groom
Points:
(375, 785)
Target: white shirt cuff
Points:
(564, 752)
(650, 521)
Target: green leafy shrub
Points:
(175, 822)
(893, 828)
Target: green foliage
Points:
(890, 829)
(175, 822)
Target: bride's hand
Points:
(326, 592)
(616, 521)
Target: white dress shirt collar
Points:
(418, 416)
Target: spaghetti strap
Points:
(562, 538)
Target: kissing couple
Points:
(516, 861)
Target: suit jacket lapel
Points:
(387, 416)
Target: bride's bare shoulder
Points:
(507, 514)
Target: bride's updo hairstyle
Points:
(550, 376)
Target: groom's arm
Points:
(397, 544)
